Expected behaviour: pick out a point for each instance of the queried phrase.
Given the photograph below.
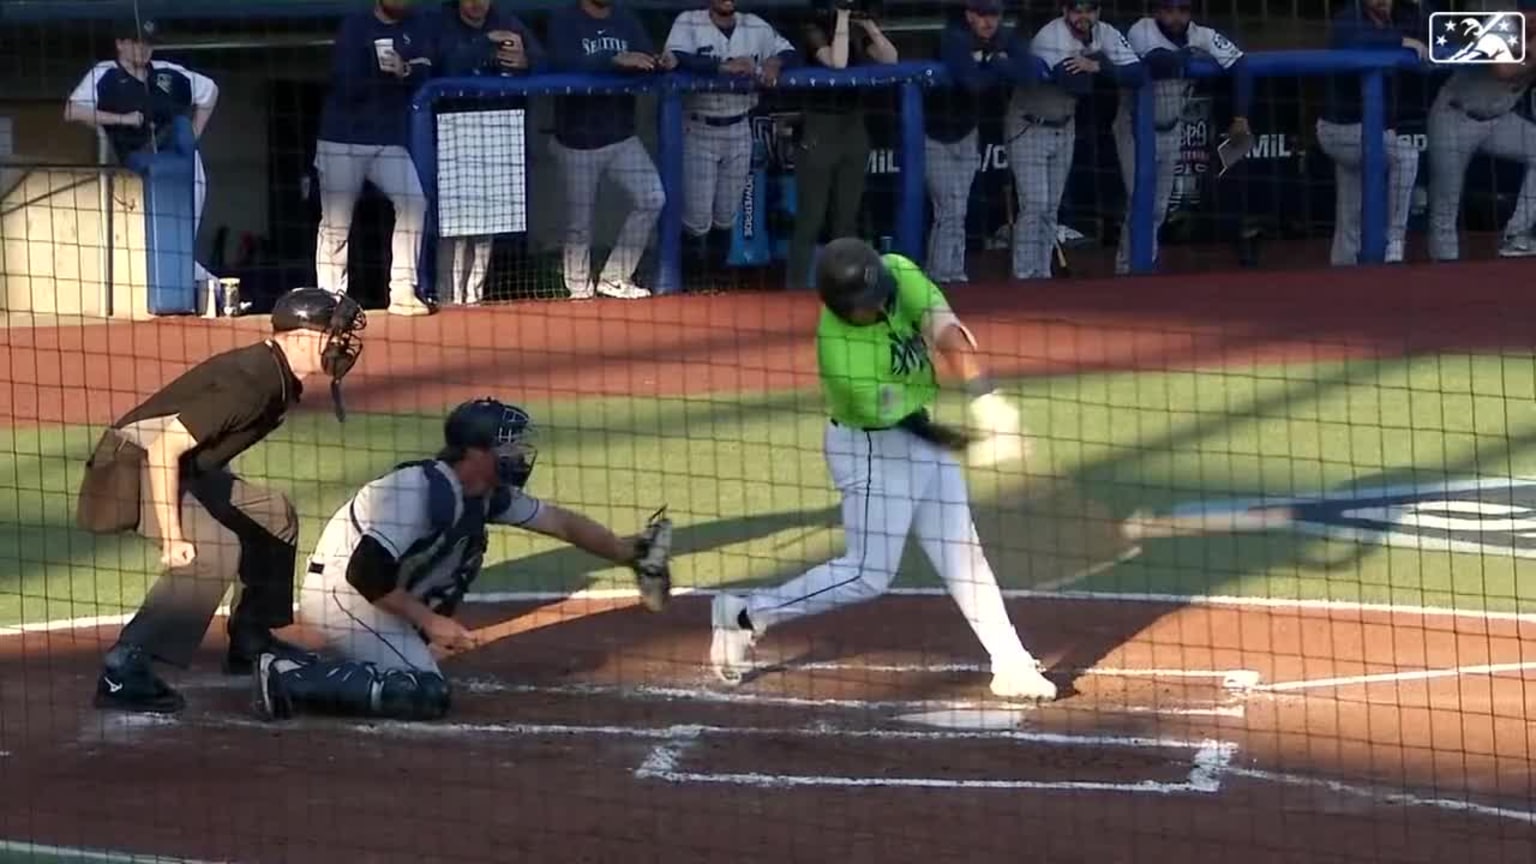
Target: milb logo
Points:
(1490, 516)
(1476, 38)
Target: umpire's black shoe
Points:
(129, 683)
(247, 646)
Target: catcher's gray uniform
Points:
(1169, 98)
(1042, 132)
(420, 514)
(1475, 111)
(717, 139)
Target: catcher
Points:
(394, 562)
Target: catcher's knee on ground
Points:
(351, 689)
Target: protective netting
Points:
(850, 431)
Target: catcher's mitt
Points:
(653, 575)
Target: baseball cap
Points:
(129, 27)
(985, 7)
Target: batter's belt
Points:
(110, 493)
(920, 424)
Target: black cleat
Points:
(270, 698)
(133, 686)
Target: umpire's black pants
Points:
(830, 166)
(237, 529)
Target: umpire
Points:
(162, 471)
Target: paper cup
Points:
(383, 48)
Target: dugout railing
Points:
(910, 79)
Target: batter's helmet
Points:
(491, 424)
(338, 317)
(850, 277)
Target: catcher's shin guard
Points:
(653, 573)
(349, 689)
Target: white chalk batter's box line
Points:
(1208, 758)
(1218, 754)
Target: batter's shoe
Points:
(1023, 682)
(129, 683)
(270, 698)
(731, 646)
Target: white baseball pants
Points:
(631, 167)
(892, 482)
(1454, 138)
(716, 162)
(343, 169)
(1342, 144)
(355, 629)
(1167, 149)
(1041, 159)
(462, 265)
(951, 169)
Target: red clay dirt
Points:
(599, 738)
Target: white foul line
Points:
(618, 594)
(1381, 796)
(689, 694)
(1386, 677)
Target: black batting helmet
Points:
(850, 277)
(491, 424)
(338, 317)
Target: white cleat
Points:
(1023, 682)
(1518, 246)
(731, 645)
(408, 306)
(621, 289)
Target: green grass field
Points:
(744, 479)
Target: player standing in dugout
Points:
(896, 469)
(162, 470)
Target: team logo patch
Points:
(1476, 38)
(163, 81)
(1488, 516)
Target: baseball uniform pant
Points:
(462, 264)
(629, 165)
(830, 165)
(239, 530)
(893, 482)
(343, 169)
(716, 160)
(1167, 148)
(1454, 137)
(1342, 144)
(951, 169)
(1041, 158)
(355, 629)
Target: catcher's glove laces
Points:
(653, 574)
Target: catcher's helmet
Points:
(850, 277)
(494, 425)
(338, 317)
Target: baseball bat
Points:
(1141, 525)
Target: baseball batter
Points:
(717, 139)
(1475, 110)
(1370, 25)
(1041, 123)
(1165, 41)
(595, 137)
(897, 470)
(394, 562)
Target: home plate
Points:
(968, 718)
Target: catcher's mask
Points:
(854, 282)
(339, 318)
(490, 424)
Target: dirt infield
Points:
(601, 739)
(1208, 733)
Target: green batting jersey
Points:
(874, 375)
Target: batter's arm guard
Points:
(653, 553)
